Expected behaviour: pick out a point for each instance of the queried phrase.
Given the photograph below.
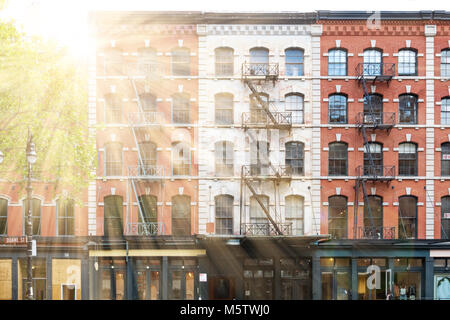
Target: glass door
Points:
(182, 284)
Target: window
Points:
(224, 158)
(337, 62)
(294, 104)
(373, 59)
(373, 108)
(445, 110)
(294, 214)
(224, 61)
(337, 159)
(376, 153)
(295, 157)
(148, 209)
(259, 61)
(445, 217)
(407, 217)
(407, 109)
(181, 159)
(224, 214)
(113, 108)
(113, 206)
(181, 62)
(407, 159)
(148, 154)
(181, 215)
(147, 62)
(180, 108)
(113, 62)
(3, 216)
(294, 62)
(113, 159)
(224, 108)
(65, 215)
(337, 108)
(337, 217)
(257, 113)
(373, 218)
(259, 158)
(148, 102)
(445, 159)
(35, 215)
(445, 63)
(257, 214)
(407, 62)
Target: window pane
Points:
(294, 62)
(337, 62)
(337, 159)
(3, 216)
(35, 215)
(181, 215)
(224, 214)
(294, 104)
(113, 159)
(224, 61)
(407, 212)
(407, 62)
(113, 207)
(181, 159)
(294, 213)
(372, 62)
(337, 109)
(445, 63)
(180, 108)
(337, 217)
(445, 111)
(181, 62)
(148, 206)
(224, 108)
(445, 218)
(113, 108)
(295, 157)
(408, 109)
(407, 159)
(445, 159)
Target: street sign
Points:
(15, 240)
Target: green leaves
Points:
(42, 88)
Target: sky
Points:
(66, 20)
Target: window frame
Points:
(412, 218)
(256, 213)
(184, 66)
(223, 108)
(152, 217)
(147, 61)
(113, 59)
(225, 215)
(445, 66)
(297, 169)
(412, 171)
(336, 106)
(297, 109)
(445, 102)
(330, 159)
(34, 217)
(332, 64)
(184, 162)
(181, 109)
(409, 50)
(445, 206)
(66, 218)
(4, 202)
(224, 166)
(111, 166)
(371, 59)
(112, 220)
(298, 222)
(337, 232)
(224, 68)
(445, 146)
(113, 113)
(379, 218)
(185, 230)
(402, 108)
(290, 67)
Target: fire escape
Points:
(144, 124)
(372, 119)
(263, 116)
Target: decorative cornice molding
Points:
(265, 30)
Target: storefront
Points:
(441, 283)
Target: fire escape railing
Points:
(260, 69)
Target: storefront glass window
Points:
(343, 285)
(154, 285)
(407, 285)
(326, 262)
(39, 278)
(189, 286)
(327, 285)
(176, 285)
(66, 279)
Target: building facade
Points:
(268, 156)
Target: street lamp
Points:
(31, 159)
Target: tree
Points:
(43, 89)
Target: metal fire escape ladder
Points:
(262, 103)
(141, 214)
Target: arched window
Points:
(65, 217)
(407, 217)
(407, 159)
(181, 159)
(295, 157)
(373, 218)
(148, 153)
(294, 62)
(259, 61)
(337, 217)
(181, 62)
(407, 62)
(373, 62)
(337, 62)
(257, 113)
(294, 207)
(445, 159)
(445, 63)
(224, 158)
(113, 108)
(294, 104)
(148, 102)
(373, 109)
(337, 159)
(224, 214)
(376, 152)
(445, 217)
(3, 216)
(259, 157)
(181, 215)
(224, 61)
(257, 214)
(148, 212)
(113, 159)
(180, 108)
(445, 110)
(147, 62)
(113, 62)
(337, 108)
(407, 109)
(223, 108)
(113, 209)
(35, 215)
